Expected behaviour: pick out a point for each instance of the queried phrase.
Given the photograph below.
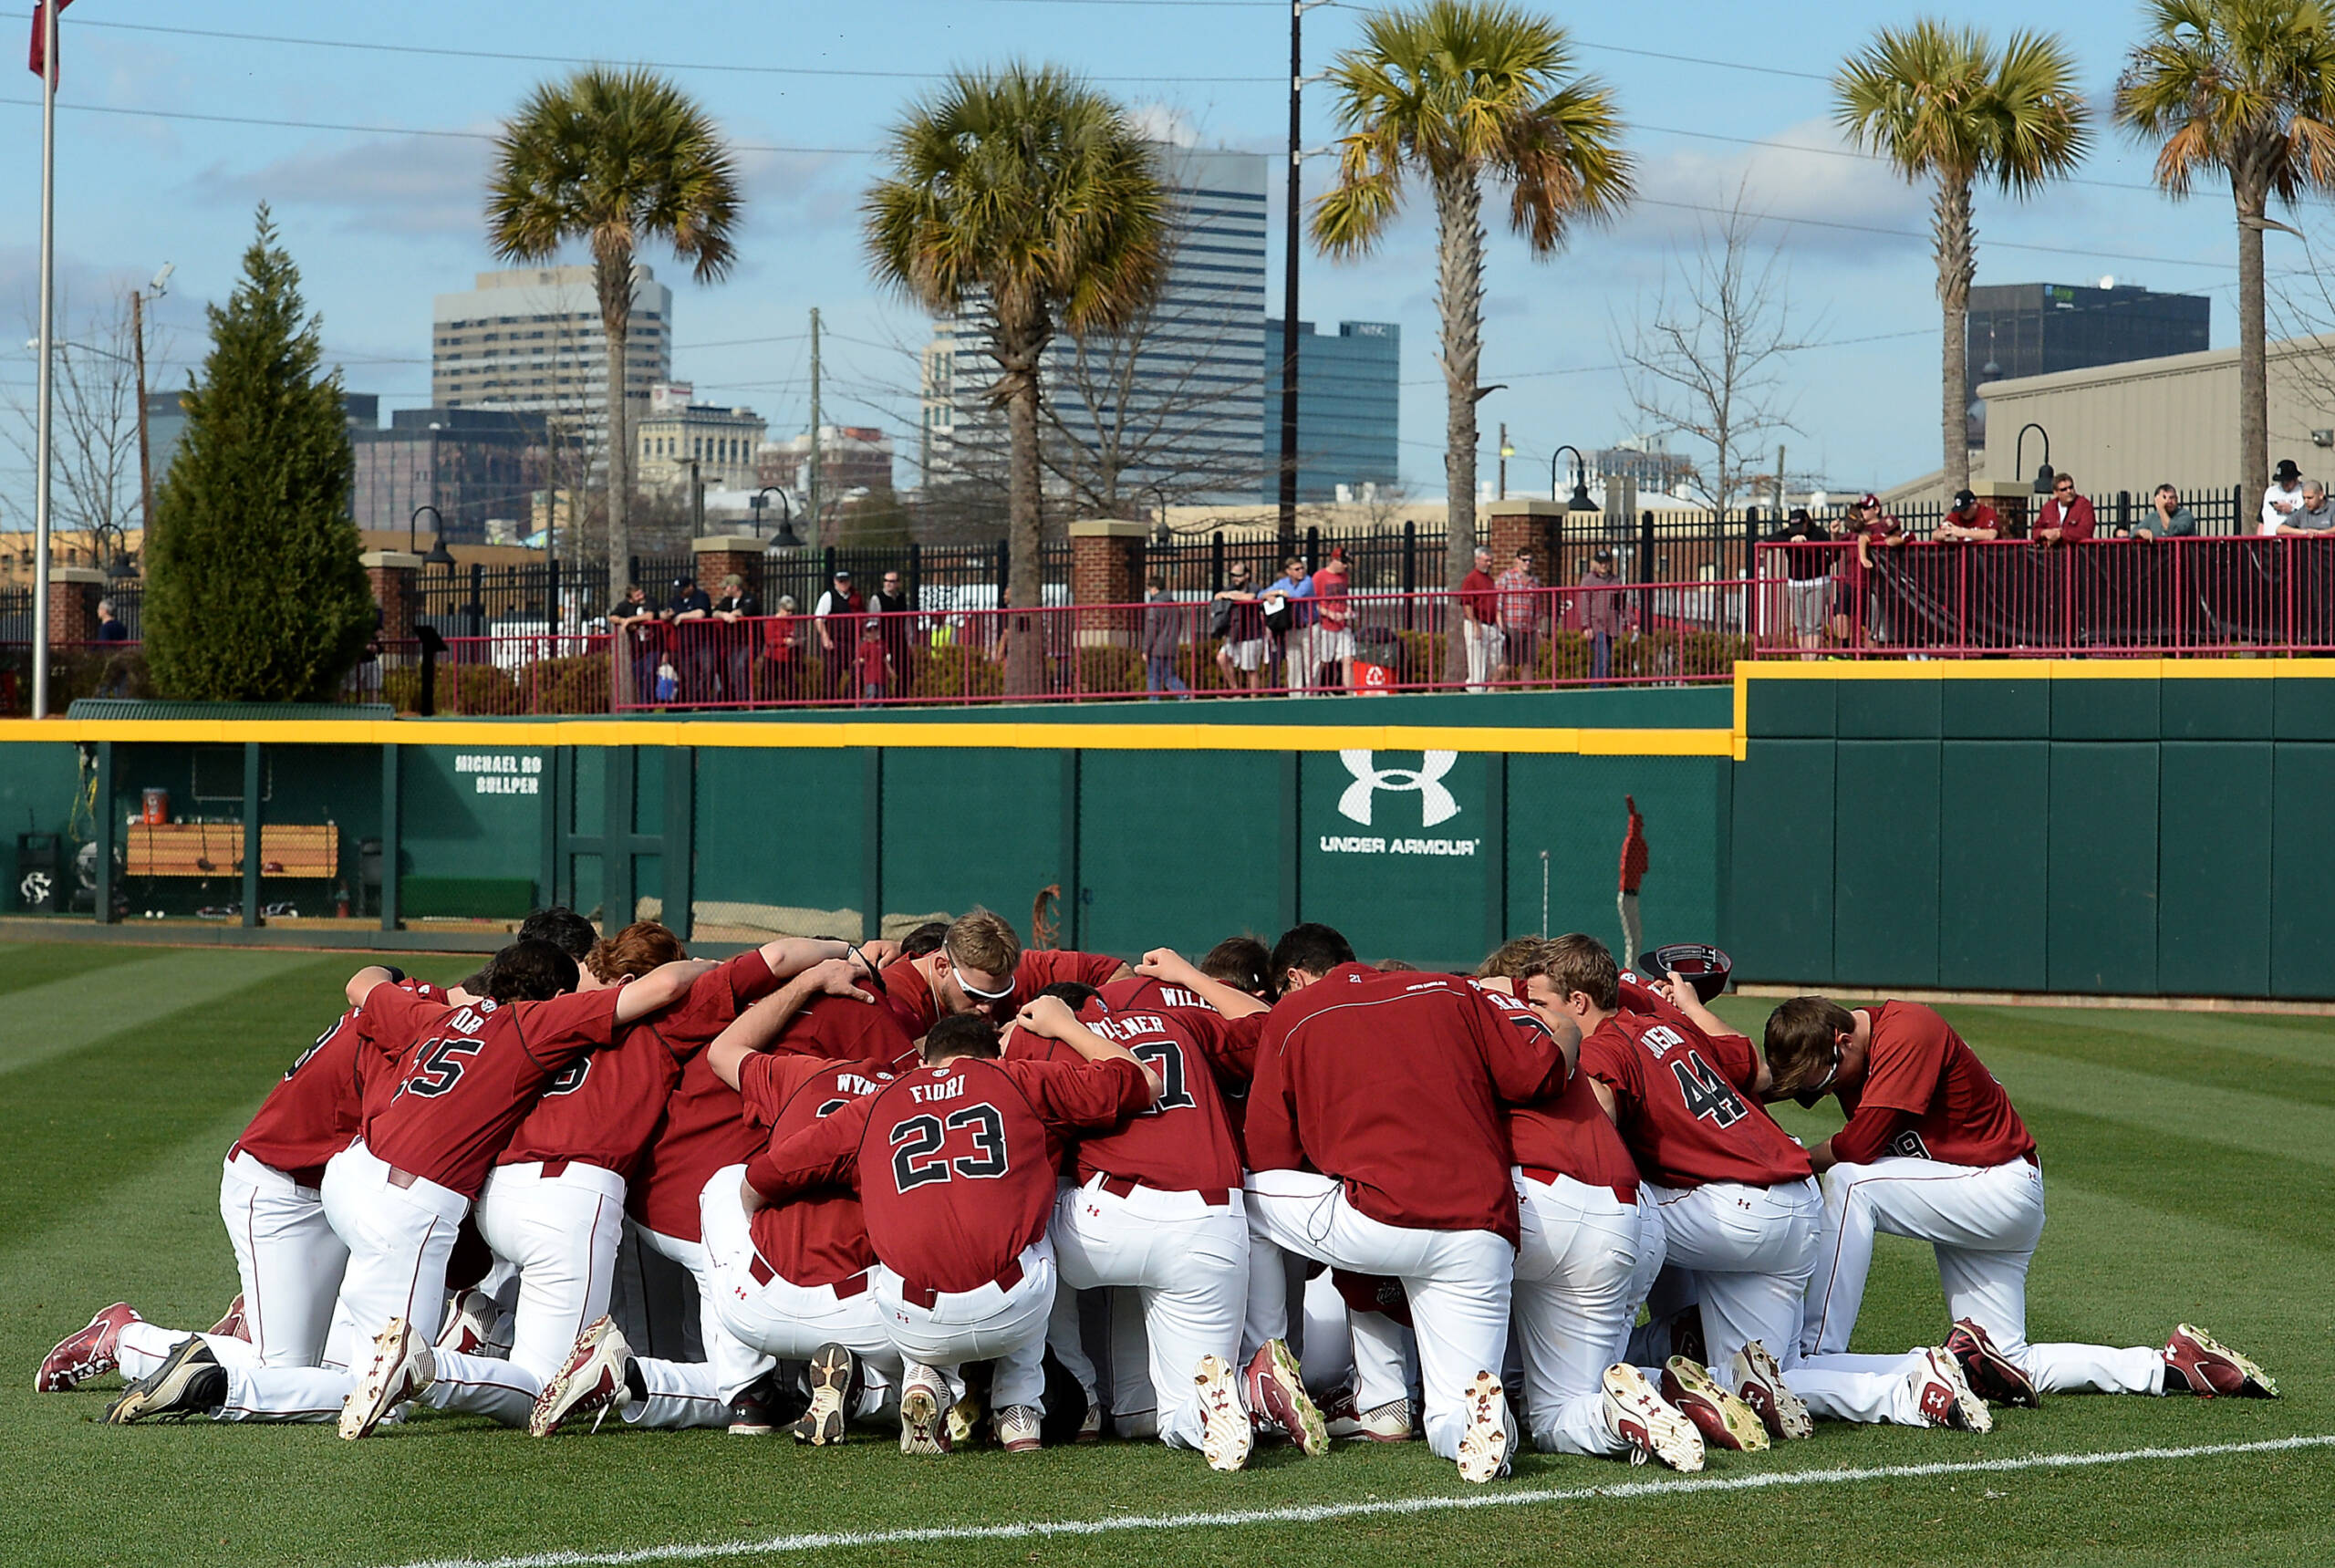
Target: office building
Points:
(1349, 397)
(674, 431)
(166, 423)
(851, 458)
(474, 465)
(1645, 461)
(530, 339)
(2023, 330)
(1170, 409)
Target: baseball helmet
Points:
(1704, 966)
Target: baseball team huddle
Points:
(1543, 1202)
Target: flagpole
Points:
(47, 347)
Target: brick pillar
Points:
(73, 595)
(2013, 501)
(1106, 568)
(722, 554)
(396, 590)
(1523, 523)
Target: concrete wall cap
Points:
(1522, 506)
(729, 544)
(1110, 528)
(396, 560)
(76, 574)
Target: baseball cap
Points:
(1603, 555)
(1964, 500)
(1798, 515)
(2288, 471)
(1870, 499)
(843, 571)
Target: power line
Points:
(733, 67)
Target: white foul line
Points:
(1315, 1514)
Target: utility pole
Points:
(1780, 478)
(160, 286)
(817, 537)
(46, 394)
(1287, 528)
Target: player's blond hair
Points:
(984, 941)
(1577, 962)
(1515, 959)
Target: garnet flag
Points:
(40, 60)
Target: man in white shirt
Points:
(2284, 496)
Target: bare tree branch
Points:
(94, 483)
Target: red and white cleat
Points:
(1726, 1421)
(1653, 1426)
(469, 1322)
(2210, 1367)
(231, 1323)
(1759, 1382)
(1944, 1395)
(924, 1425)
(1485, 1443)
(590, 1382)
(89, 1351)
(1990, 1374)
(402, 1369)
(1226, 1436)
(1276, 1391)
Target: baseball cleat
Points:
(1276, 1393)
(1990, 1374)
(190, 1382)
(592, 1381)
(1653, 1426)
(1485, 1443)
(1387, 1423)
(749, 1414)
(1226, 1436)
(1090, 1425)
(1759, 1382)
(1017, 1429)
(469, 1322)
(1725, 1421)
(923, 1427)
(835, 1372)
(2210, 1367)
(402, 1369)
(1944, 1395)
(91, 1350)
(964, 1419)
(231, 1323)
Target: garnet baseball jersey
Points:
(1926, 1094)
(315, 1109)
(910, 995)
(1680, 1108)
(1394, 1084)
(603, 1109)
(817, 1237)
(473, 1074)
(704, 1126)
(954, 1163)
(1567, 1133)
(1184, 1142)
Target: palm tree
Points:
(1027, 195)
(615, 159)
(2248, 87)
(1456, 91)
(1940, 104)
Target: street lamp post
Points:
(160, 286)
(2043, 475)
(1579, 500)
(785, 535)
(1292, 243)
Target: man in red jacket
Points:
(1377, 1144)
(955, 1164)
(1935, 1150)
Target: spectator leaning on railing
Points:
(1809, 571)
(833, 617)
(1969, 519)
(632, 628)
(1601, 612)
(1163, 638)
(1519, 619)
(2166, 518)
(734, 609)
(2283, 497)
(2067, 517)
(1290, 618)
(2314, 516)
(1236, 619)
(1333, 633)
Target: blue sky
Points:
(384, 214)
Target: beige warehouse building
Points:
(2148, 422)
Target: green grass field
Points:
(2190, 1161)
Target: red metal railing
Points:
(2106, 597)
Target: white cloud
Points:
(394, 184)
(1802, 177)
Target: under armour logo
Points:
(1435, 803)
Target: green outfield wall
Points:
(2123, 828)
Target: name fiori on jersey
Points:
(927, 1094)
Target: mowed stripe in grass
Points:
(41, 1023)
(24, 965)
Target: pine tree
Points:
(254, 591)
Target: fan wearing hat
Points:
(2284, 497)
(1969, 519)
(1872, 526)
(832, 616)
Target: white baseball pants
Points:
(1365, 1354)
(1584, 1267)
(985, 1324)
(1745, 1253)
(1984, 1222)
(399, 1239)
(730, 1364)
(560, 1232)
(290, 1263)
(1191, 1263)
(1457, 1281)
